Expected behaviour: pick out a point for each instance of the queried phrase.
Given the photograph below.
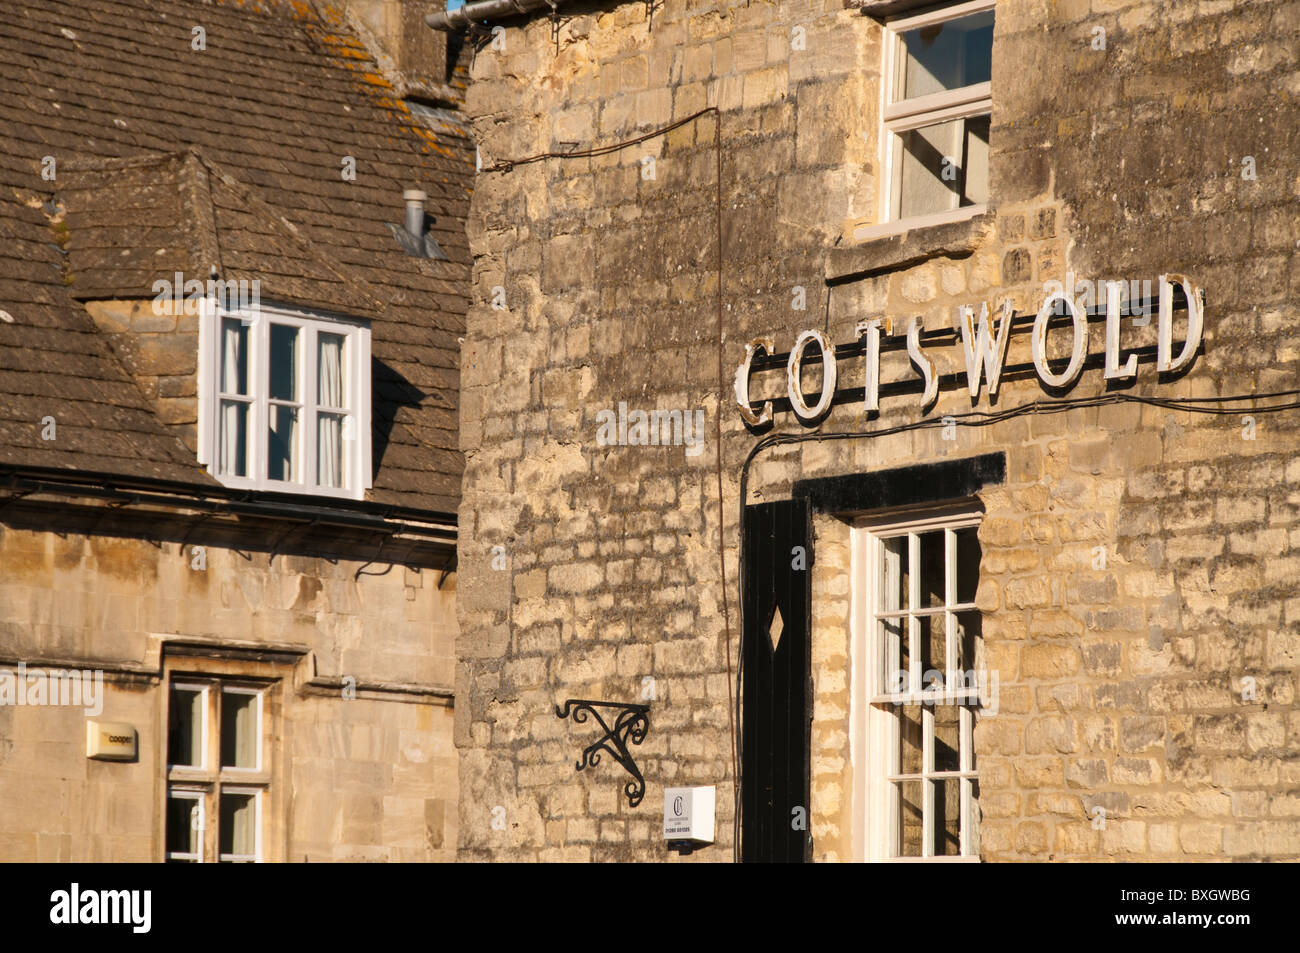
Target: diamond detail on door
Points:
(775, 627)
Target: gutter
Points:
(463, 18)
(432, 527)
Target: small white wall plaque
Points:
(110, 741)
(688, 817)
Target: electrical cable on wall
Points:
(506, 165)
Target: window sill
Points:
(956, 696)
(288, 489)
(949, 859)
(880, 9)
(863, 232)
(897, 245)
(178, 774)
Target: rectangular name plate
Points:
(110, 741)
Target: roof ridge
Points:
(199, 188)
(101, 164)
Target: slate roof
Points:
(232, 157)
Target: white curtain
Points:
(239, 823)
(246, 734)
(330, 426)
(897, 642)
(233, 381)
(239, 730)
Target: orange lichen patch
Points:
(343, 46)
(431, 140)
(300, 9)
(257, 5)
(346, 44)
(351, 53)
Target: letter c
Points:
(764, 415)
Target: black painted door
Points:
(776, 685)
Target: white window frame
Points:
(900, 117)
(256, 856)
(875, 711)
(256, 693)
(358, 475)
(199, 797)
(210, 779)
(202, 688)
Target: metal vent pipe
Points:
(463, 17)
(414, 200)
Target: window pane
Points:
(906, 643)
(895, 582)
(238, 825)
(894, 670)
(282, 444)
(330, 377)
(975, 162)
(185, 728)
(239, 730)
(284, 363)
(234, 356)
(946, 821)
(910, 732)
(930, 647)
(942, 166)
(932, 569)
(968, 563)
(947, 738)
(331, 429)
(909, 834)
(234, 438)
(968, 631)
(925, 161)
(183, 833)
(946, 56)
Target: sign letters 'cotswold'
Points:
(985, 335)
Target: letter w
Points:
(980, 345)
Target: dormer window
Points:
(285, 401)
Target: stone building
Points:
(228, 461)
(1018, 581)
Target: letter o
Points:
(829, 375)
(1071, 373)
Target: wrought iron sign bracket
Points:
(632, 723)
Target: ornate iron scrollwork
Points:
(632, 723)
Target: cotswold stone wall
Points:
(366, 774)
(1137, 573)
